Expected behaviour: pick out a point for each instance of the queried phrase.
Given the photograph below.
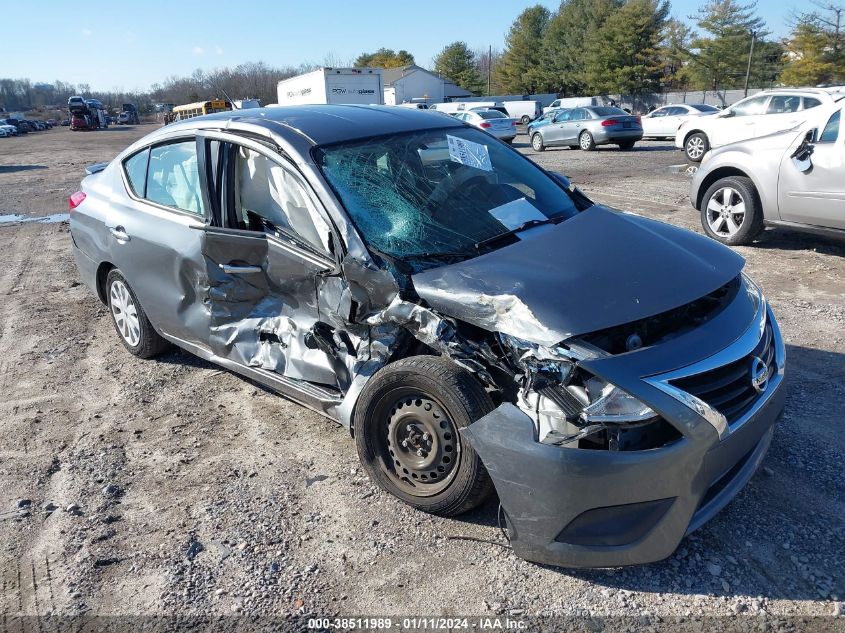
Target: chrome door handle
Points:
(119, 233)
(234, 269)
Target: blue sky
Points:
(131, 45)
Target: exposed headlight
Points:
(616, 406)
(566, 402)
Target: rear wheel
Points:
(696, 146)
(731, 211)
(407, 432)
(526, 119)
(537, 142)
(130, 321)
(586, 141)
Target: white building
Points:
(412, 83)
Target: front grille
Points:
(728, 388)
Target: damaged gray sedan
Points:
(473, 320)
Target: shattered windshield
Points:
(431, 195)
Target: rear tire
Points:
(586, 141)
(526, 119)
(407, 431)
(731, 211)
(696, 146)
(537, 142)
(130, 321)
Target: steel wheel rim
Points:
(125, 313)
(585, 140)
(695, 147)
(422, 448)
(726, 212)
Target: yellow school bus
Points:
(190, 110)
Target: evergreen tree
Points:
(807, 61)
(574, 25)
(815, 51)
(624, 55)
(674, 55)
(521, 67)
(720, 60)
(458, 63)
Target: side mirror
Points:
(726, 114)
(801, 156)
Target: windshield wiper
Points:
(525, 225)
(441, 255)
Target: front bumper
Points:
(595, 508)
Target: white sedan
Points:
(664, 122)
(491, 121)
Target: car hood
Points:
(599, 269)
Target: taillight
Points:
(609, 122)
(513, 123)
(75, 200)
(638, 120)
(484, 124)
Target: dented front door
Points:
(262, 300)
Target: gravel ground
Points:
(175, 487)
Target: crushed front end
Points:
(617, 444)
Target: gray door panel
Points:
(158, 252)
(262, 297)
(814, 192)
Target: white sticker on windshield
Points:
(516, 213)
(469, 153)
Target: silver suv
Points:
(793, 179)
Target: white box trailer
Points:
(361, 86)
(523, 111)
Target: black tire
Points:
(696, 146)
(537, 142)
(526, 119)
(402, 404)
(627, 145)
(751, 224)
(149, 343)
(586, 141)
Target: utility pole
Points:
(489, 67)
(750, 57)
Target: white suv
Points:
(763, 113)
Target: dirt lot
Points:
(174, 487)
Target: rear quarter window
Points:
(135, 168)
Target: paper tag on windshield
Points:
(516, 213)
(469, 153)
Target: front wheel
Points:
(586, 141)
(407, 431)
(537, 142)
(731, 211)
(696, 146)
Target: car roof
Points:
(327, 124)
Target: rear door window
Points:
(135, 168)
(173, 177)
(809, 102)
